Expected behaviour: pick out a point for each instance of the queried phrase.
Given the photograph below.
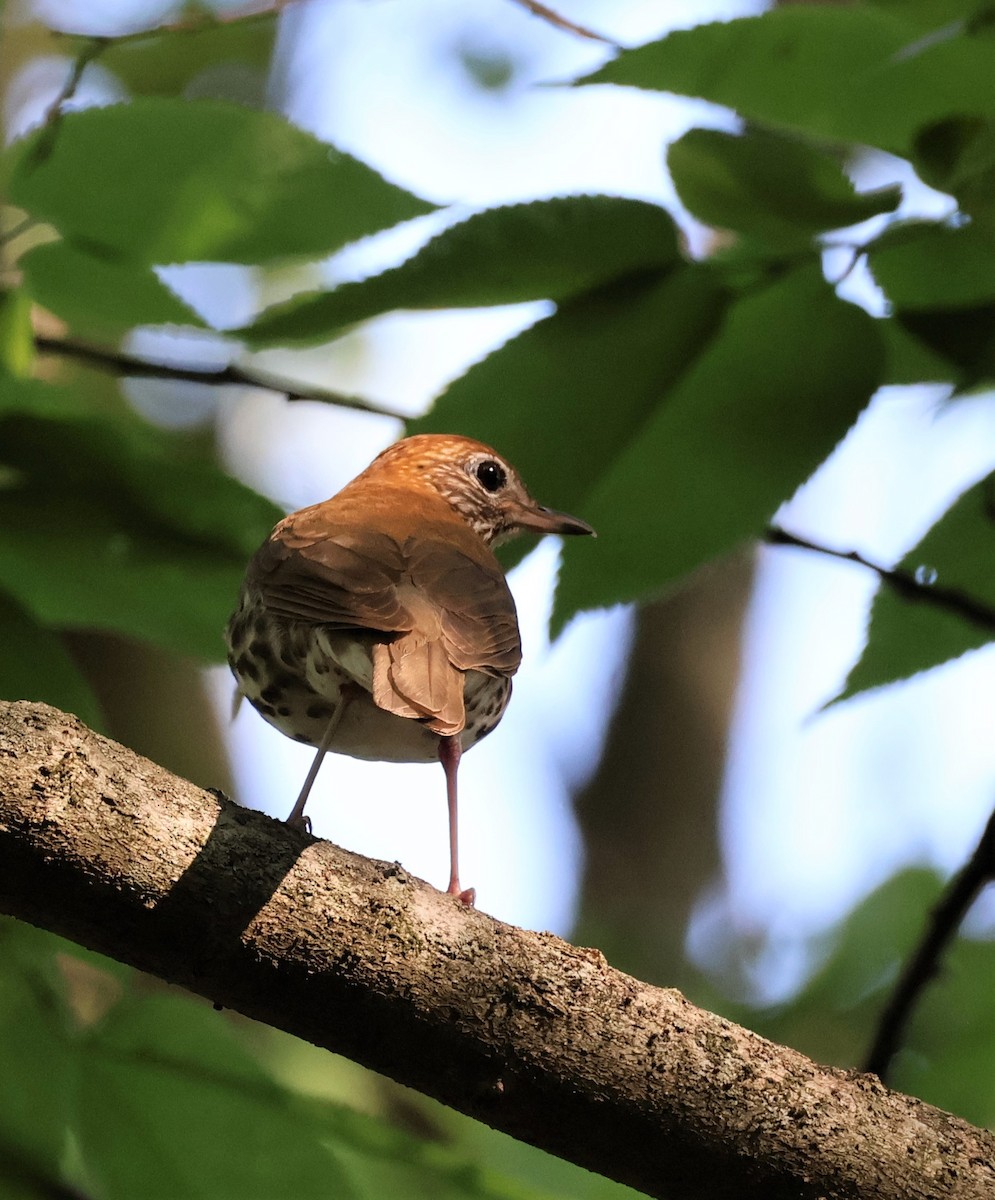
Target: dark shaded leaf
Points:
(908, 360)
(940, 280)
(768, 185)
(381, 1161)
(965, 337)
(549, 249)
(957, 155)
(565, 397)
(162, 181)
(85, 565)
(924, 266)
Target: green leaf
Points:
(167, 63)
(908, 360)
(36, 1098)
(106, 525)
(162, 181)
(778, 387)
(768, 185)
(79, 564)
(939, 280)
(97, 296)
(549, 249)
(950, 1057)
(48, 436)
(924, 265)
(907, 634)
(957, 155)
(565, 397)
(964, 337)
(383, 1161)
(537, 1169)
(170, 1105)
(36, 666)
(852, 72)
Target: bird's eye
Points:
(492, 475)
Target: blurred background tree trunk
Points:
(650, 814)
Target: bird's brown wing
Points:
(340, 580)
(444, 611)
(479, 625)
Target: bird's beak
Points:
(538, 519)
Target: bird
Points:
(379, 624)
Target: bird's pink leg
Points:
(450, 752)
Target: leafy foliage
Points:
(854, 73)
(111, 1077)
(550, 249)
(764, 185)
(107, 525)
(208, 181)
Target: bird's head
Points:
(481, 486)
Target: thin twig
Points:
(545, 13)
(923, 966)
(118, 363)
(904, 583)
(53, 114)
(15, 231)
(856, 254)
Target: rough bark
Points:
(536, 1037)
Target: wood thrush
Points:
(378, 623)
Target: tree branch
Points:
(534, 1036)
(118, 363)
(906, 584)
(923, 966)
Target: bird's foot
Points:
(467, 896)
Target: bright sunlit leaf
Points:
(205, 181)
